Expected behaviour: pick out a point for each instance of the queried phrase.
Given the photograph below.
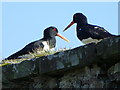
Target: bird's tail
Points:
(15, 55)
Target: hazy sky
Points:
(24, 22)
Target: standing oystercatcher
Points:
(46, 43)
(88, 33)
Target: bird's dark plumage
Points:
(46, 43)
(88, 33)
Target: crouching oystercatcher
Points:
(88, 33)
(46, 43)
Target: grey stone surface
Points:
(88, 66)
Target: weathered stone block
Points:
(19, 70)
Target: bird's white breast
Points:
(46, 46)
(90, 40)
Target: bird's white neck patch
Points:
(90, 40)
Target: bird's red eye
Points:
(54, 29)
(74, 15)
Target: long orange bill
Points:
(62, 37)
(68, 26)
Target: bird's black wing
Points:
(27, 49)
(99, 32)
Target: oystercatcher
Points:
(46, 43)
(88, 33)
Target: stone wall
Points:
(88, 66)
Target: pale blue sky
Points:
(24, 22)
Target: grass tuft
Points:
(36, 53)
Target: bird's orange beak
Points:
(62, 37)
(68, 26)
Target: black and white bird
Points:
(46, 43)
(88, 33)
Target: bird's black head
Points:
(51, 32)
(79, 18)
